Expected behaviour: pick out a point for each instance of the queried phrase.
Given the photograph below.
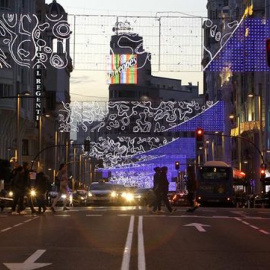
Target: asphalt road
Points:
(130, 238)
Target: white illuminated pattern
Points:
(121, 151)
(124, 116)
(120, 125)
(27, 47)
(231, 29)
(142, 179)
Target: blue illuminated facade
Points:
(140, 173)
(245, 51)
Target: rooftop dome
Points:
(56, 9)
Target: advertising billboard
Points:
(122, 69)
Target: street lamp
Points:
(18, 114)
(40, 124)
(259, 114)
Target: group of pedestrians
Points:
(20, 184)
(161, 189)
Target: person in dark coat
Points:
(155, 200)
(19, 187)
(191, 188)
(162, 191)
(42, 184)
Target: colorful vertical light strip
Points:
(123, 69)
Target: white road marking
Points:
(7, 229)
(252, 226)
(141, 252)
(19, 224)
(29, 263)
(264, 232)
(198, 226)
(127, 250)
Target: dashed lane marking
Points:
(17, 225)
(252, 226)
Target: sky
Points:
(89, 85)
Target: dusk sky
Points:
(91, 85)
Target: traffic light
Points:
(177, 165)
(86, 145)
(262, 171)
(262, 177)
(199, 135)
(268, 52)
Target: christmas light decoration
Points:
(38, 51)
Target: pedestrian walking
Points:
(63, 179)
(156, 201)
(162, 191)
(19, 187)
(42, 184)
(192, 186)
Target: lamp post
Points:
(18, 115)
(40, 126)
(260, 144)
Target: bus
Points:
(219, 182)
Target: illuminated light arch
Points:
(133, 156)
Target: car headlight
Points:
(64, 196)
(33, 193)
(129, 197)
(10, 194)
(113, 194)
(90, 194)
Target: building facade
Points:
(238, 28)
(35, 72)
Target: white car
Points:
(103, 192)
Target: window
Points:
(25, 151)
(3, 3)
(5, 90)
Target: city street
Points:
(131, 238)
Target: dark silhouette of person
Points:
(19, 186)
(162, 191)
(191, 188)
(42, 184)
(156, 180)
